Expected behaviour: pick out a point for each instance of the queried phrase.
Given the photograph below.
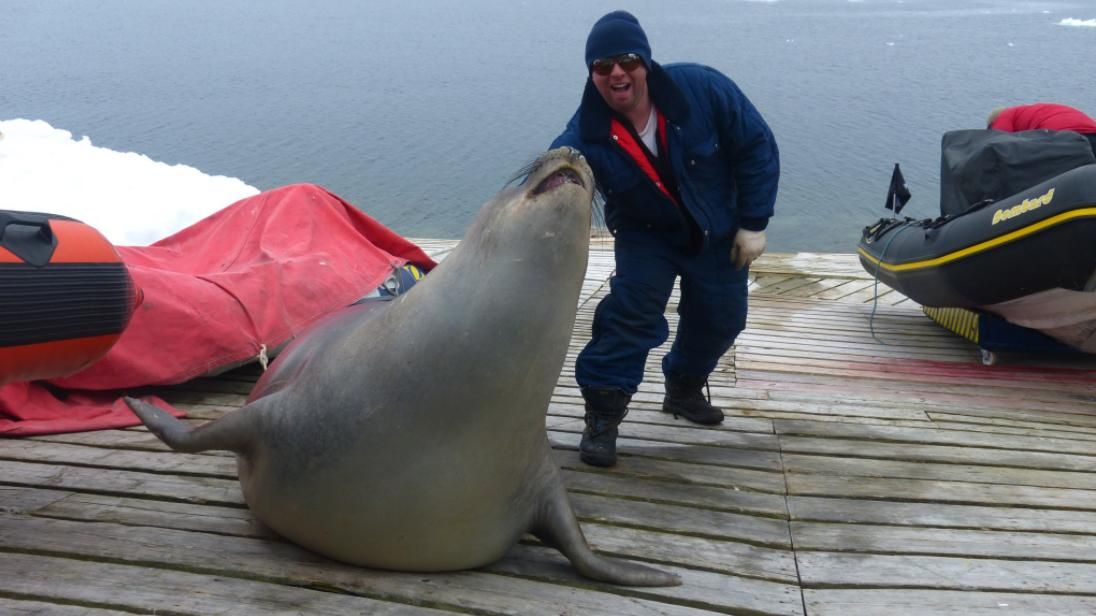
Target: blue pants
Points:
(630, 321)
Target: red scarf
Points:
(623, 137)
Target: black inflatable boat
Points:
(1014, 247)
(1041, 238)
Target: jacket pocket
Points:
(705, 160)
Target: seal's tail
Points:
(224, 433)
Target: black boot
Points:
(684, 398)
(605, 408)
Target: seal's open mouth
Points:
(566, 175)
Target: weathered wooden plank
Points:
(815, 346)
(776, 350)
(537, 592)
(734, 557)
(187, 488)
(838, 418)
(996, 428)
(708, 591)
(727, 556)
(849, 354)
(828, 569)
(636, 467)
(936, 403)
(944, 542)
(147, 512)
(814, 263)
(19, 499)
(822, 330)
(117, 439)
(649, 412)
(941, 491)
(874, 292)
(670, 518)
(909, 355)
(779, 384)
(833, 408)
(928, 380)
(932, 436)
(79, 455)
(16, 607)
(901, 469)
(813, 306)
(759, 282)
(848, 390)
(894, 330)
(722, 499)
(699, 454)
(690, 434)
(723, 388)
(720, 556)
(787, 333)
(106, 585)
(941, 515)
(1061, 419)
(824, 316)
(952, 454)
(817, 286)
(604, 509)
(790, 284)
(846, 292)
(877, 602)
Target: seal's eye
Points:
(565, 175)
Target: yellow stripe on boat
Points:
(981, 246)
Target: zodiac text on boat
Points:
(1023, 208)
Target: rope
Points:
(264, 359)
(875, 289)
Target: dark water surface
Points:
(418, 111)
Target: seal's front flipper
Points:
(557, 526)
(224, 433)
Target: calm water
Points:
(419, 111)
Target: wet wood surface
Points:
(869, 464)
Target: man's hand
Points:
(748, 245)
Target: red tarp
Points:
(217, 294)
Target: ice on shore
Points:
(1078, 23)
(128, 197)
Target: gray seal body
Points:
(409, 434)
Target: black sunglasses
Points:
(627, 61)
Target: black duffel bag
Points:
(984, 166)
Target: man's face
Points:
(624, 87)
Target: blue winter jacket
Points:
(722, 153)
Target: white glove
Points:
(748, 245)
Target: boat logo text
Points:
(1025, 207)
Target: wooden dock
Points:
(854, 476)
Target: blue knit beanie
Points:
(617, 33)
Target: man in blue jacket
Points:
(689, 171)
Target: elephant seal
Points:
(409, 434)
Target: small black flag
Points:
(898, 194)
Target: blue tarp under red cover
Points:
(216, 295)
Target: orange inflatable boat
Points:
(65, 296)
